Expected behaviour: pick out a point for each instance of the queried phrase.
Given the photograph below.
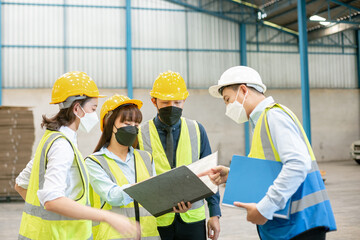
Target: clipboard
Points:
(159, 194)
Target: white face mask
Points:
(236, 110)
(88, 121)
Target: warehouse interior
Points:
(306, 51)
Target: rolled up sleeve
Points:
(24, 177)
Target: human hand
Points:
(213, 228)
(123, 225)
(219, 174)
(253, 214)
(182, 208)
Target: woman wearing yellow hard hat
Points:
(116, 164)
(55, 183)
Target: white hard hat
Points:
(238, 75)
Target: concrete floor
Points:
(342, 183)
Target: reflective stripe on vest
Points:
(270, 153)
(310, 195)
(149, 140)
(144, 171)
(35, 216)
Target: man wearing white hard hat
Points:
(277, 136)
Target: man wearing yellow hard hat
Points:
(174, 141)
(55, 183)
(115, 165)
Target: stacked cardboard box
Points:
(16, 141)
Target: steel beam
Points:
(129, 83)
(243, 62)
(346, 5)
(358, 56)
(323, 32)
(304, 68)
(65, 35)
(1, 89)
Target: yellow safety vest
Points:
(262, 145)
(188, 151)
(143, 171)
(37, 222)
(310, 205)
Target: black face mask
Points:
(170, 115)
(126, 135)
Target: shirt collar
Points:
(69, 133)
(163, 126)
(255, 114)
(112, 155)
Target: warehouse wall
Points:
(44, 40)
(335, 116)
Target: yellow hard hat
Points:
(169, 86)
(114, 102)
(73, 84)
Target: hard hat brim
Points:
(98, 96)
(136, 102)
(214, 90)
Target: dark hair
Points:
(129, 113)
(64, 117)
(235, 87)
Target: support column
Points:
(304, 67)
(358, 56)
(65, 37)
(0, 55)
(243, 62)
(129, 83)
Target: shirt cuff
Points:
(267, 208)
(118, 197)
(21, 183)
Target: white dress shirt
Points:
(62, 176)
(293, 154)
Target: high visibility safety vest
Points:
(188, 151)
(37, 222)
(310, 205)
(143, 171)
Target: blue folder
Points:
(249, 180)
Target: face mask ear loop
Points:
(237, 94)
(245, 97)
(116, 129)
(82, 110)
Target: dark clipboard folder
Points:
(159, 194)
(249, 180)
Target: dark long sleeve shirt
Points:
(205, 150)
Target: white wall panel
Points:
(155, 4)
(37, 1)
(32, 25)
(98, 2)
(148, 64)
(209, 32)
(280, 70)
(332, 71)
(158, 29)
(31, 67)
(206, 67)
(96, 27)
(106, 67)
